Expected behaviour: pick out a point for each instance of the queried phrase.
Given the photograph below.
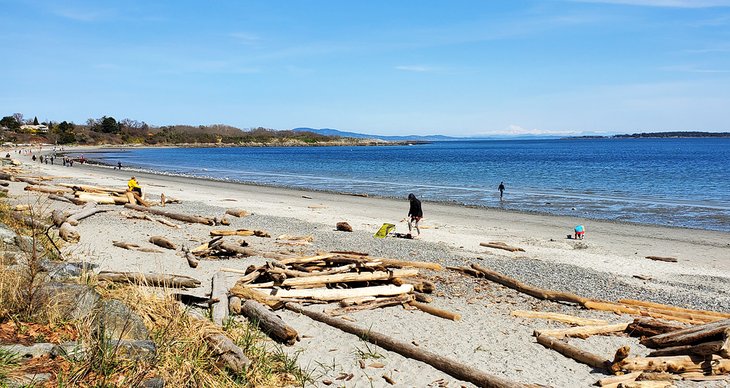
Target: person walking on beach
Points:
(134, 186)
(501, 190)
(415, 214)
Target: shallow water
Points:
(680, 182)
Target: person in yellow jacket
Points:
(134, 186)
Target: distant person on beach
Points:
(501, 190)
(119, 166)
(415, 214)
(580, 232)
(134, 186)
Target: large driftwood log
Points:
(391, 262)
(92, 189)
(228, 352)
(231, 247)
(69, 233)
(154, 280)
(67, 199)
(451, 367)
(501, 245)
(174, 216)
(565, 318)
(691, 335)
(269, 322)
(337, 294)
(341, 278)
(539, 293)
(614, 381)
(701, 349)
(649, 327)
(98, 198)
(641, 303)
(290, 273)
(707, 365)
(575, 353)
(162, 242)
(134, 247)
(581, 331)
(219, 291)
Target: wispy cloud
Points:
(245, 37)
(665, 3)
(514, 129)
(415, 68)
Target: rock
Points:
(73, 301)
(116, 321)
(64, 270)
(32, 351)
(7, 236)
(155, 382)
(344, 227)
(29, 380)
(71, 350)
(139, 350)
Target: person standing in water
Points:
(501, 190)
(415, 214)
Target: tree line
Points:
(108, 130)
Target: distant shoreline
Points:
(658, 135)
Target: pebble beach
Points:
(609, 264)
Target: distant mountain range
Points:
(335, 132)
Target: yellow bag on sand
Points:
(384, 230)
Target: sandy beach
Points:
(602, 266)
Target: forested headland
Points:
(108, 130)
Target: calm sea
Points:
(680, 182)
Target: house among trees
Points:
(30, 128)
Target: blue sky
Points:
(385, 67)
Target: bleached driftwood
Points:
(174, 216)
(162, 242)
(337, 294)
(582, 331)
(269, 322)
(69, 233)
(691, 335)
(219, 291)
(436, 311)
(237, 212)
(575, 353)
(342, 278)
(134, 247)
(501, 245)
(565, 318)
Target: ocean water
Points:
(679, 182)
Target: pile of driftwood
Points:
(356, 281)
(691, 344)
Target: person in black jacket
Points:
(415, 213)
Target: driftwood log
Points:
(69, 233)
(555, 296)
(103, 199)
(338, 294)
(174, 216)
(239, 232)
(192, 260)
(237, 212)
(154, 280)
(501, 245)
(575, 353)
(134, 247)
(219, 291)
(565, 318)
(341, 278)
(444, 364)
(708, 365)
(48, 189)
(231, 355)
(666, 307)
(162, 242)
(581, 331)
(268, 322)
(436, 311)
(662, 258)
(649, 327)
(690, 335)
(721, 347)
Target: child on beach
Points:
(415, 214)
(580, 232)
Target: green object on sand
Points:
(384, 230)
